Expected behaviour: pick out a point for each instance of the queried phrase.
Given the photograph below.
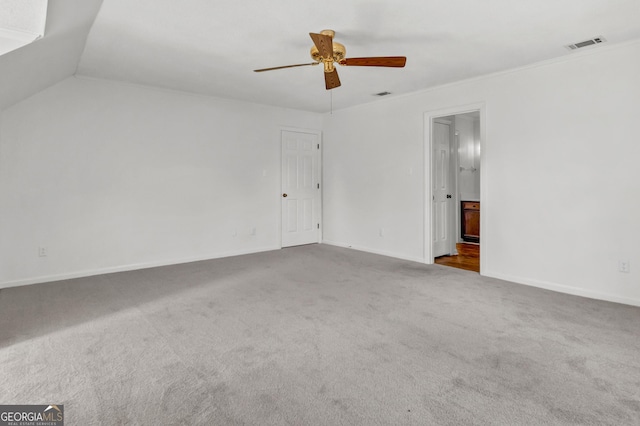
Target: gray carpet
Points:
(317, 335)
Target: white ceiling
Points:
(211, 47)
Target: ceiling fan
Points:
(327, 52)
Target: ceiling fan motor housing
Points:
(339, 53)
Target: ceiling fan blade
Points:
(376, 61)
(324, 43)
(331, 80)
(285, 66)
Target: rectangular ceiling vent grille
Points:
(586, 43)
(382, 94)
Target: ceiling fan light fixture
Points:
(328, 66)
(339, 52)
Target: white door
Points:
(442, 191)
(300, 188)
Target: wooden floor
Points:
(468, 258)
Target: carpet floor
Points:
(317, 335)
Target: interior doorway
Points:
(300, 187)
(453, 184)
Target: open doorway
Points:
(454, 208)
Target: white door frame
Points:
(428, 167)
(318, 133)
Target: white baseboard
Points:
(369, 250)
(130, 267)
(560, 288)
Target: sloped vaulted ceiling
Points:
(212, 47)
(31, 68)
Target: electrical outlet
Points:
(381, 232)
(253, 231)
(623, 266)
(42, 251)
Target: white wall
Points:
(108, 176)
(560, 183)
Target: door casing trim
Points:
(318, 133)
(428, 119)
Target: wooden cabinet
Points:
(471, 221)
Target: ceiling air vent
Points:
(382, 94)
(593, 41)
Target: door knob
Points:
(448, 195)
(284, 195)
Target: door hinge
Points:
(318, 226)
(318, 146)
(318, 186)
